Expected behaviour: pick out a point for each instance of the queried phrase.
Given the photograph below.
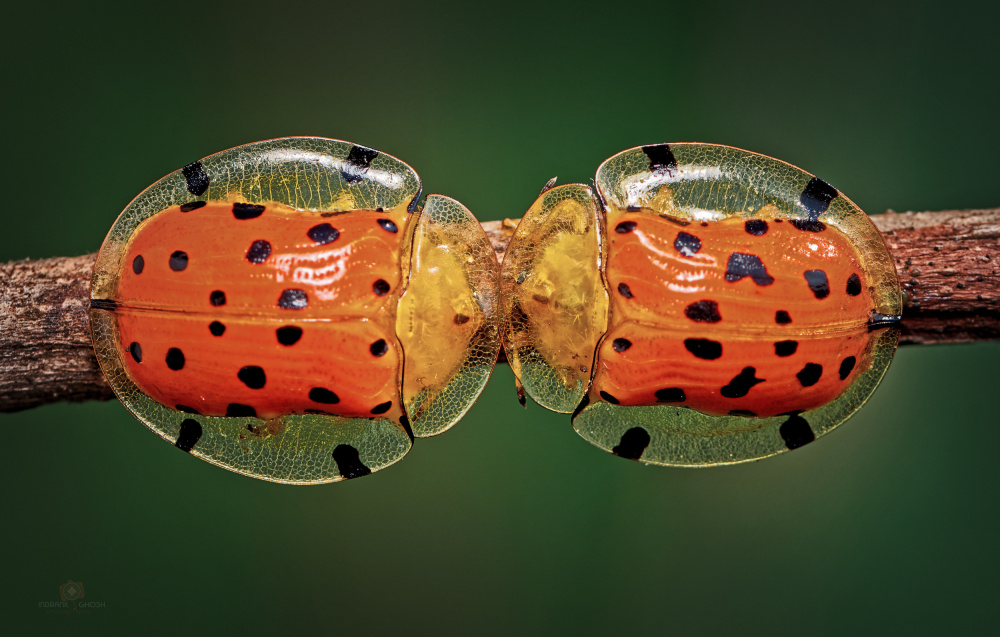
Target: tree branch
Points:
(948, 263)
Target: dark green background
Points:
(510, 522)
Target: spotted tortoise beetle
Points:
(256, 309)
(703, 305)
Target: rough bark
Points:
(948, 264)
(45, 351)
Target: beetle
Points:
(287, 310)
(702, 305)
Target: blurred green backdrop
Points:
(510, 522)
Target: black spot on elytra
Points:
(785, 348)
(195, 178)
(252, 376)
(189, 435)
(742, 265)
(349, 462)
(745, 413)
(609, 398)
(621, 344)
(818, 283)
(460, 319)
(382, 408)
(756, 227)
(259, 251)
(236, 410)
(379, 347)
(323, 234)
(661, 159)
(625, 290)
(810, 374)
(687, 244)
(625, 227)
(703, 312)
(136, 351)
(380, 287)
(388, 225)
(323, 395)
(216, 328)
(288, 334)
(704, 348)
(178, 261)
(175, 359)
(138, 263)
(816, 197)
(359, 160)
(809, 225)
(741, 384)
(244, 211)
(796, 432)
(854, 285)
(847, 366)
(103, 304)
(187, 410)
(632, 443)
(781, 317)
(670, 395)
(293, 299)
(192, 205)
(217, 298)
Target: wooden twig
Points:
(948, 263)
(45, 351)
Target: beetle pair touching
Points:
(288, 311)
